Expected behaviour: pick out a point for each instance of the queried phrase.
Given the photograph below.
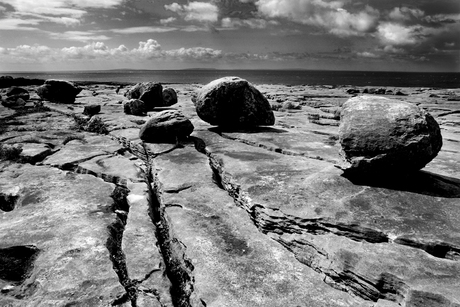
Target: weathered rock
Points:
(13, 102)
(58, 91)
(380, 134)
(18, 92)
(149, 92)
(135, 107)
(169, 96)
(92, 109)
(166, 126)
(233, 102)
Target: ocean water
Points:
(286, 77)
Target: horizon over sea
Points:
(286, 77)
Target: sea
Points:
(285, 77)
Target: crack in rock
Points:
(279, 150)
(278, 225)
(179, 268)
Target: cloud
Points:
(133, 30)
(195, 11)
(367, 54)
(397, 34)
(81, 36)
(253, 23)
(67, 12)
(16, 23)
(405, 13)
(330, 15)
(168, 20)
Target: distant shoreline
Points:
(282, 77)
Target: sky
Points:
(380, 35)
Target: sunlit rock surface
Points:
(256, 217)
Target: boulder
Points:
(18, 92)
(92, 109)
(169, 97)
(233, 102)
(386, 135)
(58, 91)
(166, 126)
(135, 107)
(13, 102)
(149, 92)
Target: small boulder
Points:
(135, 107)
(18, 92)
(149, 92)
(58, 91)
(92, 109)
(233, 102)
(353, 91)
(165, 127)
(169, 97)
(13, 102)
(383, 135)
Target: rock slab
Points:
(166, 126)
(233, 102)
(380, 134)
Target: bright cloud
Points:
(67, 12)
(405, 13)
(195, 11)
(79, 36)
(133, 30)
(396, 34)
(330, 15)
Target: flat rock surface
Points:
(258, 217)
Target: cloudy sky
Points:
(403, 35)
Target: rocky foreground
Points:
(259, 217)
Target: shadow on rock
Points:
(254, 129)
(421, 182)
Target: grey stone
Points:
(233, 102)
(135, 107)
(385, 135)
(169, 97)
(166, 126)
(58, 91)
(149, 92)
(92, 109)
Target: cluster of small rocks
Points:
(375, 91)
(227, 102)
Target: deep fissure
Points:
(387, 288)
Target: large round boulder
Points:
(59, 91)
(233, 102)
(149, 92)
(381, 135)
(166, 126)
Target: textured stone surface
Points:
(379, 134)
(92, 109)
(233, 102)
(166, 126)
(259, 216)
(58, 91)
(169, 96)
(149, 92)
(135, 107)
